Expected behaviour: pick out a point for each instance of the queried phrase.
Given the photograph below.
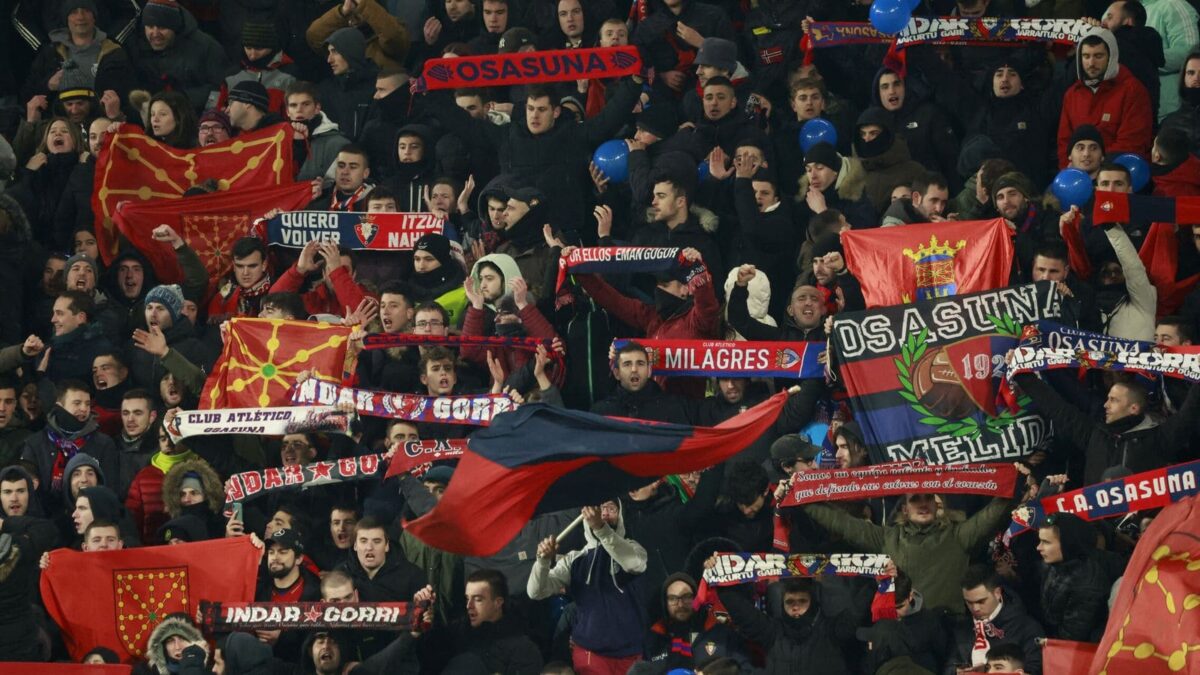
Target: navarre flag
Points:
(262, 358)
(728, 358)
(210, 224)
(557, 65)
(25, 668)
(1067, 657)
(923, 379)
(1153, 623)
(1140, 492)
(897, 265)
(134, 166)
(473, 409)
(356, 231)
(115, 599)
(541, 458)
(1048, 346)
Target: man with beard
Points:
(1107, 96)
(286, 580)
(1051, 262)
(337, 292)
(214, 128)
(926, 202)
(329, 653)
(70, 429)
(486, 633)
(685, 637)
(316, 139)
(169, 345)
(1033, 225)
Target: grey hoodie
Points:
(1114, 58)
(627, 555)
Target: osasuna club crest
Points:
(366, 230)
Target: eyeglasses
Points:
(434, 323)
(296, 445)
(680, 599)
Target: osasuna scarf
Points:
(717, 358)
(1140, 492)
(355, 231)
(409, 455)
(1120, 207)
(502, 70)
(476, 410)
(1048, 346)
(259, 421)
(623, 260)
(744, 568)
(901, 478)
(254, 484)
(245, 616)
(983, 32)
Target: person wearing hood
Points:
(928, 135)
(685, 637)
(78, 45)
(348, 91)
(192, 487)
(263, 61)
(1175, 171)
(1108, 97)
(329, 653)
(18, 493)
(1074, 583)
(1187, 117)
(172, 52)
(389, 111)
(144, 499)
(523, 239)
(169, 344)
(167, 642)
(413, 170)
(831, 181)
(127, 280)
(21, 638)
(95, 503)
(884, 157)
(487, 630)
(13, 429)
(995, 615)
(805, 639)
(235, 654)
(388, 44)
(438, 276)
(514, 313)
(753, 291)
(607, 628)
(249, 107)
(1140, 46)
(316, 139)
(71, 428)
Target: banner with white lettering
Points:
(473, 409)
(1048, 346)
(925, 378)
(900, 478)
(728, 358)
(260, 421)
(254, 484)
(625, 260)
(949, 30)
(355, 231)
(247, 616)
(744, 568)
(1140, 492)
(412, 454)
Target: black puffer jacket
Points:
(194, 63)
(1013, 624)
(927, 130)
(1075, 591)
(808, 644)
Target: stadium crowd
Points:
(99, 356)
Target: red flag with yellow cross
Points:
(132, 166)
(262, 358)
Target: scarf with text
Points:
(413, 454)
(957, 31)
(525, 68)
(246, 616)
(355, 231)
(744, 568)
(476, 410)
(717, 358)
(1047, 346)
(901, 478)
(255, 484)
(259, 421)
(624, 260)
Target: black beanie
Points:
(658, 119)
(259, 35)
(1086, 132)
(438, 246)
(1013, 179)
(824, 154)
(104, 503)
(830, 242)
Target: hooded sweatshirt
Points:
(608, 620)
(1116, 104)
(156, 647)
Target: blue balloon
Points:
(890, 16)
(703, 173)
(612, 158)
(1072, 187)
(1139, 169)
(817, 130)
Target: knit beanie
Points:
(793, 446)
(169, 296)
(259, 35)
(438, 246)
(975, 151)
(824, 154)
(658, 119)
(77, 83)
(1086, 132)
(718, 52)
(219, 117)
(191, 480)
(83, 459)
(72, 5)
(1013, 179)
(351, 44)
(830, 242)
(80, 257)
(251, 92)
(164, 14)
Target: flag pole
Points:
(567, 530)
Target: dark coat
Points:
(655, 35)
(1012, 624)
(396, 581)
(147, 370)
(502, 645)
(809, 644)
(346, 98)
(16, 252)
(194, 64)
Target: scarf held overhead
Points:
(524, 68)
(254, 484)
(1140, 492)
(260, 421)
(411, 454)
(246, 616)
(623, 260)
(1049, 346)
(355, 231)
(477, 410)
(901, 478)
(744, 568)
(716, 358)
(983, 32)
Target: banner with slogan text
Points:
(901, 478)
(259, 421)
(896, 265)
(923, 378)
(133, 166)
(355, 231)
(946, 30)
(262, 357)
(624, 260)
(744, 568)
(1048, 346)
(477, 410)
(247, 616)
(728, 358)
(210, 224)
(523, 68)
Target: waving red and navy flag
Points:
(541, 458)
